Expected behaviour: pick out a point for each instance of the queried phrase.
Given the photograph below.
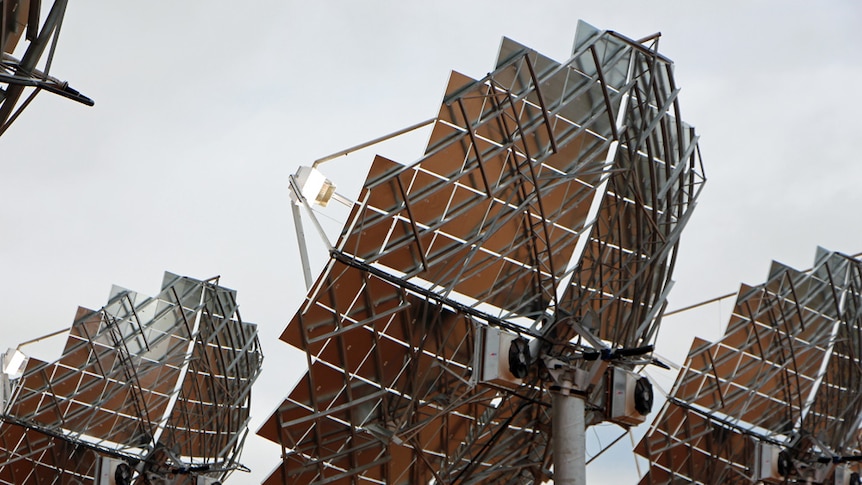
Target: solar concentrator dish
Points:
(785, 377)
(550, 196)
(158, 384)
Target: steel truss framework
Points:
(21, 19)
(548, 191)
(162, 383)
(786, 372)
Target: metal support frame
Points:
(18, 75)
(515, 178)
(136, 380)
(783, 374)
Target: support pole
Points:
(303, 250)
(569, 439)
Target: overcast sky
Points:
(203, 109)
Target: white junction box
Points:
(107, 472)
(844, 475)
(495, 357)
(622, 401)
(767, 463)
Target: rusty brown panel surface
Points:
(442, 248)
(278, 429)
(346, 456)
(404, 465)
(744, 386)
(351, 349)
(344, 292)
(325, 384)
(611, 280)
(16, 12)
(82, 377)
(270, 429)
(782, 355)
(30, 457)
(393, 357)
(831, 412)
(38, 377)
(405, 321)
(686, 445)
(447, 431)
(837, 405)
(206, 416)
(508, 231)
(696, 379)
(323, 436)
(157, 378)
(432, 332)
(202, 430)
